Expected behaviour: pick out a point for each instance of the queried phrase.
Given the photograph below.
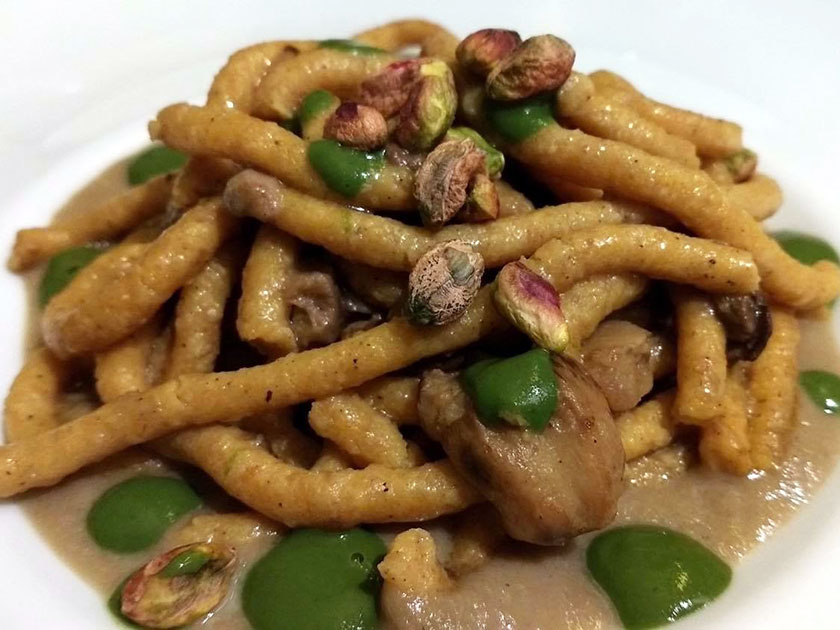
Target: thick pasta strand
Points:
(712, 137)
(689, 195)
(200, 177)
(478, 534)
(268, 147)
(588, 302)
(198, 316)
(760, 196)
(511, 201)
(31, 406)
(123, 368)
(368, 436)
(395, 396)
(433, 39)
(652, 251)
(331, 459)
(701, 359)
(98, 309)
(773, 388)
(648, 427)
(386, 243)
(104, 222)
(578, 102)
(724, 440)
(263, 313)
(340, 499)
(412, 566)
(288, 81)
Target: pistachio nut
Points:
(314, 112)
(441, 182)
(741, 165)
(179, 586)
(493, 158)
(482, 201)
(357, 126)
(443, 283)
(430, 109)
(389, 90)
(539, 64)
(531, 303)
(482, 51)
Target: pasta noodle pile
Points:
(646, 197)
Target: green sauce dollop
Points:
(345, 170)
(805, 248)
(62, 268)
(823, 388)
(349, 46)
(152, 162)
(314, 103)
(134, 514)
(521, 390)
(655, 575)
(316, 580)
(517, 120)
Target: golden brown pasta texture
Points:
(123, 368)
(773, 387)
(412, 566)
(433, 39)
(760, 196)
(107, 221)
(270, 148)
(578, 102)
(701, 359)
(724, 440)
(289, 81)
(110, 300)
(394, 396)
(711, 136)
(648, 427)
(32, 403)
(263, 311)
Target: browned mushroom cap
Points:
(748, 324)
(179, 586)
(546, 486)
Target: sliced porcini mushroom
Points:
(546, 486)
(317, 315)
(621, 358)
(748, 324)
(179, 586)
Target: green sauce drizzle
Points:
(823, 388)
(152, 162)
(314, 103)
(805, 248)
(62, 268)
(345, 170)
(349, 46)
(655, 575)
(517, 120)
(521, 390)
(134, 514)
(315, 580)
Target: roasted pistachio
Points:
(531, 304)
(443, 283)
(389, 90)
(314, 112)
(179, 586)
(539, 64)
(493, 158)
(482, 201)
(430, 109)
(441, 183)
(741, 165)
(482, 51)
(357, 126)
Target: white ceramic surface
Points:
(79, 79)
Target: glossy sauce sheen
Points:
(523, 587)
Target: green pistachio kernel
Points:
(186, 563)
(349, 46)
(493, 158)
(521, 390)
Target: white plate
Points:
(79, 79)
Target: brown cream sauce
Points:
(522, 587)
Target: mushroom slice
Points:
(179, 586)
(546, 486)
(748, 324)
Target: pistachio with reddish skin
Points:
(493, 158)
(357, 126)
(539, 64)
(179, 586)
(443, 283)
(741, 165)
(482, 51)
(430, 109)
(441, 183)
(531, 303)
(482, 201)
(389, 90)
